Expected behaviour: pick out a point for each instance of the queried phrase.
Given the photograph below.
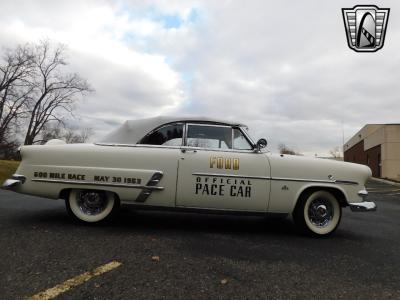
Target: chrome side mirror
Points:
(261, 143)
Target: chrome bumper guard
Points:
(13, 181)
(363, 206)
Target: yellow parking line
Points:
(73, 282)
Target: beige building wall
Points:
(375, 138)
(391, 153)
(364, 132)
(386, 135)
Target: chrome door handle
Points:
(188, 150)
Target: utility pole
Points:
(342, 140)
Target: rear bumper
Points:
(14, 181)
(363, 206)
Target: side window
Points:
(239, 141)
(169, 135)
(213, 137)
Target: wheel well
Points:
(338, 194)
(64, 194)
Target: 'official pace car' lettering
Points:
(214, 186)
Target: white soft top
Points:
(132, 131)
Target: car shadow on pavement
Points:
(188, 222)
(160, 223)
(129, 220)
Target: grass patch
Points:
(7, 168)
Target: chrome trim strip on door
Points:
(231, 175)
(275, 178)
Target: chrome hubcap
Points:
(92, 203)
(320, 212)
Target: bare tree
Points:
(54, 92)
(85, 134)
(78, 136)
(335, 152)
(69, 135)
(283, 149)
(15, 71)
(49, 132)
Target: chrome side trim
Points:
(263, 177)
(277, 178)
(302, 180)
(137, 145)
(10, 183)
(346, 182)
(232, 176)
(135, 186)
(172, 147)
(362, 206)
(151, 184)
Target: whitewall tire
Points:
(318, 213)
(91, 205)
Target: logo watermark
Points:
(365, 27)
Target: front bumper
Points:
(363, 206)
(14, 181)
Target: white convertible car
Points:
(191, 164)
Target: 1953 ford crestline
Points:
(191, 164)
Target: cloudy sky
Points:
(282, 67)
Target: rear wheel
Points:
(90, 205)
(318, 213)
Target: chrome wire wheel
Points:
(318, 213)
(90, 205)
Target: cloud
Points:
(284, 68)
(128, 82)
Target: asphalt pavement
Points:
(159, 255)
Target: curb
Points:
(385, 181)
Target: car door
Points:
(218, 169)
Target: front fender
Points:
(339, 191)
(285, 194)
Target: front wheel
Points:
(91, 206)
(318, 213)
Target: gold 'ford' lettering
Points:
(224, 163)
(220, 162)
(236, 163)
(228, 163)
